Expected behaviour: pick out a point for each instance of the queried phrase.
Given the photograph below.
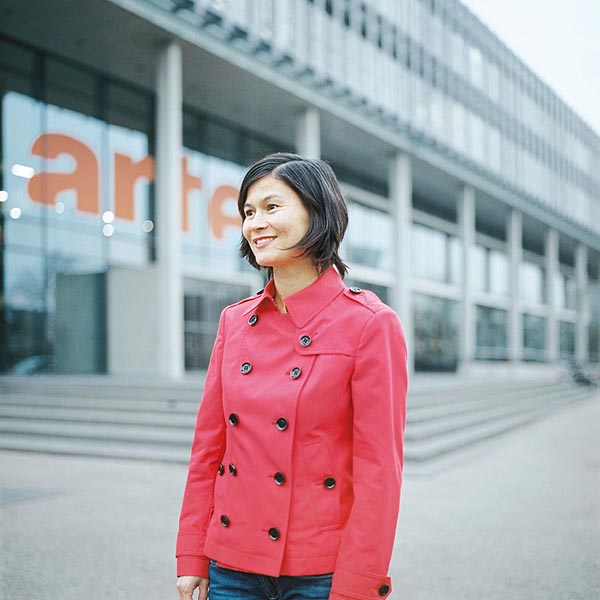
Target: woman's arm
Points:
(379, 386)
(207, 450)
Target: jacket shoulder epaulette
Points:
(365, 298)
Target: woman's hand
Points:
(188, 583)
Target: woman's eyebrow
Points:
(265, 199)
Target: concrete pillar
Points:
(552, 268)
(583, 304)
(308, 133)
(168, 211)
(466, 220)
(515, 252)
(400, 185)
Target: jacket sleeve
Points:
(207, 451)
(379, 386)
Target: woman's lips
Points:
(261, 242)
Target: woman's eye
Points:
(271, 206)
(248, 213)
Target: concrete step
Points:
(93, 447)
(467, 402)
(451, 441)
(116, 403)
(157, 423)
(98, 431)
(452, 421)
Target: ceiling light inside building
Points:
(23, 171)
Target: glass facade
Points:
(77, 199)
(431, 68)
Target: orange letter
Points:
(44, 187)
(218, 218)
(188, 183)
(127, 172)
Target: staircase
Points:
(100, 416)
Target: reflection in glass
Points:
(369, 239)
(532, 282)
(436, 333)
(203, 303)
(567, 340)
(492, 333)
(436, 255)
(534, 338)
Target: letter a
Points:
(44, 187)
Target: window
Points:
(436, 333)
(532, 283)
(492, 338)
(567, 340)
(203, 303)
(534, 338)
(436, 255)
(489, 271)
(369, 240)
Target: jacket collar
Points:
(305, 304)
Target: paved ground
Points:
(520, 521)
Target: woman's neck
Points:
(290, 280)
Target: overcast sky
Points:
(558, 39)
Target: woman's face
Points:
(275, 220)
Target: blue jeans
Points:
(226, 584)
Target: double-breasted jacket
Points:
(296, 462)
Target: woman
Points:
(294, 480)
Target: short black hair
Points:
(317, 186)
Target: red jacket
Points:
(296, 464)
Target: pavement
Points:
(519, 520)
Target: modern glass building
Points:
(126, 125)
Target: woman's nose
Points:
(258, 221)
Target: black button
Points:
(279, 478)
(295, 372)
(252, 320)
(282, 424)
(246, 368)
(329, 483)
(274, 533)
(384, 589)
(221, 470)
(232, 469)
(233, 419)
(355, 290)
(225, 520)
(305, 340)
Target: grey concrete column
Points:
(515, 252)
(308, 133)
(552, 343)
(583, 304)
(466, 220)
(400, 184)
(168, 211)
